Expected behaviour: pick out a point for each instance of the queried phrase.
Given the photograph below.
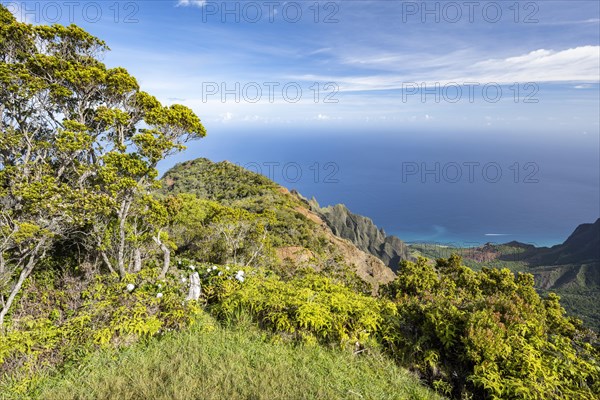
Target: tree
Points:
(79, 148)
(211, 232)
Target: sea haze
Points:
(549, 184)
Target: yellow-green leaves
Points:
(486, 334)
(79, 148)
(26, 231)
(309, 307)
(119, 82)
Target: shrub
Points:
(61, 320)
(309, 307)
(487, 334)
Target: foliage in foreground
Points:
(469, 334)
(61, 320)
(309, 307)
(484, 334)
(488, 333)
(210, 362)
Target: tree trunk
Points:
(123, 212)
(107, 262)
(166, 256)
(137, 260)
(22, 277)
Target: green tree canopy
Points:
(79, 148)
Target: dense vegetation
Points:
(231, 186)
(99, 268)
(489, 333)
(578, 285)
(211, 362)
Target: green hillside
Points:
(211, 362)
(215, 282)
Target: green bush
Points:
(309, 307)
(487, 334)
(60, 321)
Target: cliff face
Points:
(368, 267)
(574, 263)
(583, 246)
(363, 233)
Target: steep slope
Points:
(301, 236)
(582, 246)
(570, 269)
(363, 233)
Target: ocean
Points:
(457, 188)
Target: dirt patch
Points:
(295, 254)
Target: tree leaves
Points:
(74, 159)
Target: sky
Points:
(352, 63)
(366, 89)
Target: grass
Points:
(239, 362)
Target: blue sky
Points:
(376, 56)
(398, 82)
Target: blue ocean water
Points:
(451, 188)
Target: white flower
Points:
(192, 267)
(220, 273)
(130, 287)
(183, 280)
(159, 286)
(159, 295)
(214, 267)
(208, 270)
(240, 276)
(227, 268)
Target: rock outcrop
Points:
(368, 267)
(363, 233)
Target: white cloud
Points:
(579, 64)
(194, 3)
(584, 86)
(226, 117)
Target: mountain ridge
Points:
(581, 246)
(257, 194)
(363, 232)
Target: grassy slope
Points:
(231, 363)
(225, 363)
